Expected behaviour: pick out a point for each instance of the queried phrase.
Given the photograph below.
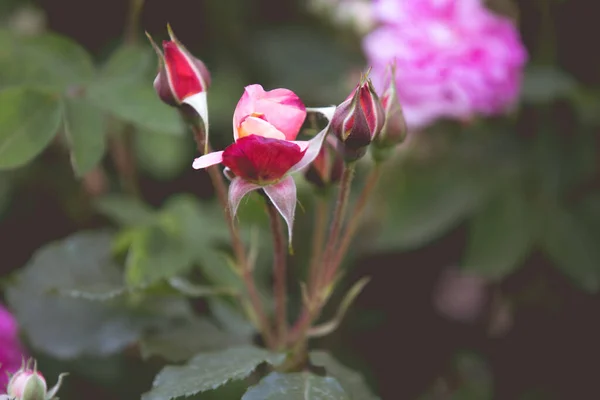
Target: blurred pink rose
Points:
(11, 352)
(276, 114)
(455, 58)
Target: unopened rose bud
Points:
(180, 74)
(27, 384)
(327, 168)
(358, 120)
(394, 129)
(183, 79)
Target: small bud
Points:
(327, 168)
(180, 75)
(394, 129)
(27, 384)
(358, 120)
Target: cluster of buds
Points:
(364, 119)
(265, 126)
(29, 384)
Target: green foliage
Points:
(426, 203)
(29, 119)
(84, 128)
(568, 240)
(501, 235)
(297, 386)
(67, 327)
(209, 371)
(122, 88)
(352, 382)
(50, 61)
(163, 156)
(181, 341)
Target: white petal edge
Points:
(199, 103)
(311, 150)
(238, 188)
(283, 197)
(207, 160)
(326, 111)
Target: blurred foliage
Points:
(151, 278)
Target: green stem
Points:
(239, 251)
(279, 272)
(318, 237)
(317, 296)
(355, 218)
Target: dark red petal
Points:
(184, 79)
(259, 159)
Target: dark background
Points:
(395, 334)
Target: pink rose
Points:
(264, 152)
(276, 114)
(454, 58)
(11, 351)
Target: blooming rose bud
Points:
(358, 120)
(394, 129)
(27, 384)
(327, 168)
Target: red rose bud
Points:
(182, 78)
(327, 168)
(358, 120)
(180, 74)
(394, 129)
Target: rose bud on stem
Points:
(358, 120)
(29, 384)
(182, 80)
(394, 130)
(326, 169)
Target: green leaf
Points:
(136, 103)
(543, 84)
(50, 61)
(85, 129)
(156, 252)
(28, 121)
(423, 205)
(297, 386)
(179, 342)
(352, 382)
(125, 210)
(209, 371)
(501, 235)
(328, 327)
(127, 63)
(65, 327)
(573, 248)
(190, 289)
(163, 156)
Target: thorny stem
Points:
(121, 150)
(315, 303)
(133, 22)
(279, 272)
(336, 226)
(238, 246)
(318, 237)
(122, 145)
(355, 218)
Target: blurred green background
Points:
(483, 239)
